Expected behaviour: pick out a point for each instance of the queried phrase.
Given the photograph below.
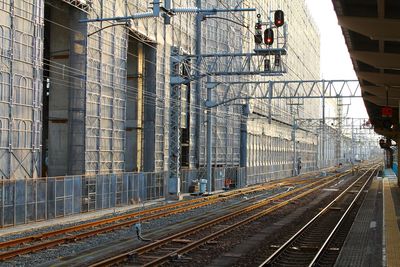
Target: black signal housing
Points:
(268, 36)
(279, 18)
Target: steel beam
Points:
(163, 10)
(175, 131)
(228, 64)
(307, 89)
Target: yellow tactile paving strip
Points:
(391, 225)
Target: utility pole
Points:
(323, 124)
(198, 49)
(177, 80)
(270, 102)
(338, 152)
(210, 86)
(352, 140)
(216, 67)
(174, 189)
(295, 170)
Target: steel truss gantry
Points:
(81, 5)
(178, 77)
(351, 128)
(345, 123)
(230, 64)
(290, 90)
(181, 75)
(242, 91)
(300, 90)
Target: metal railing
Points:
(25, 201)
(31, 200)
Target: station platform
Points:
(374, 238)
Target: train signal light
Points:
(269, 36)
(386, 112)
(258, 33)
(279, 18)
(267, 65)
(258, 30)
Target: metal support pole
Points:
(175, 130)
(323, 124)
(209, 134)
(167, 7)
(398, 161)
(270, 102)
(295, 171)
(167, 10)
(352, 140)
(198, 83)
(338, 152)
(316, 152)
(243, 137)
(398, 155)
(153, 14)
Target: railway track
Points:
(174, 245)
(318, 243)
(33, 243)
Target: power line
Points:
(104, 40)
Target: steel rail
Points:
(42, 236)
(179, 207)
(121, 257)
(80, 227)
(254, 217)
(267, 262)
(333, 232)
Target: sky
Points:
(335, 59)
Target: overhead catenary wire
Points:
(154, 47)
(130, 35)
(253, 33)
(153, 96)
(200, 107)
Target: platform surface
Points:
(374, 238)
(391, 193)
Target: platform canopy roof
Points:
(372, 33)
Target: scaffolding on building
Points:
(95, 106)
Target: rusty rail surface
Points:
(150, 214)
(153, 246)
(321, 228)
